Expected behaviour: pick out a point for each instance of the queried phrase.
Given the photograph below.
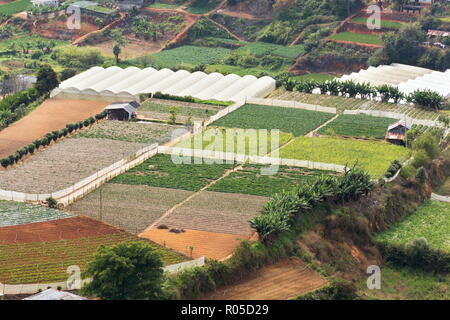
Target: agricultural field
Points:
(240, 141)
(141, 132)
(295, 121)
(17, 213)
(161, 5)
(249, 180)
(358, 37)
(155, 109)
(344, 103)
(360, 125)
(160, 171)
(38, 262)
(217, 212)
(65, 163)
(407, 284)
(260, 49)
(384, 23)
(430, 221)
(185, 55)
(322, 77)
(15, 7)
(372, 156)
(130, 207)
(204, 7)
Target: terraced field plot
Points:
(130, 207)
(15, 213)
(360, 125)
(160, 171)
(140, 132)
(384, 23)
(235, 140)
(65, 163)
(431, 221)
(344, 103)
(291, 120)
(217, 212)
(249, 180)
(159, 110)
(358, 37)
(373, 156)
(39, 262)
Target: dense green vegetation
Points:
(384, 23)
(373, 156)
(161, 171)
(360, 125)
(431, 221)
(358, 37)
(15, 7)
(249, 180)
(295, 121)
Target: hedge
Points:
(159, 95)
(48, 138)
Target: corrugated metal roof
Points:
(52, 294)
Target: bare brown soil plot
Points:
(65, 163)
(62, 229)
(51, 115)
(131, 207)
(284, 280)
(132, 50)
(208, 244)
(56, 29)
(217, 212)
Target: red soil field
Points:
(62, 229)
(284, 280)
(209, 244)
(51, 115)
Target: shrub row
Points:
(424, 98)
(48, 138)
(159, 95)
(417, 254)
(280, 212)
(393, 168)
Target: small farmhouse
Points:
(122, 111)
(396, 132)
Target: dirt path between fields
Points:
(312, 133)
(284, 280)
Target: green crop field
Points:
(358, 37)
(360, 125)
(431, 221)
(322, 77)
(32, 40)
(160, 171)
(43, 262)
(291, 120)
(15, 7)
(373, 156)
(384, 23)
(203, 8)
(235, 140)
(262, 48)
(183, 112)
(249, 180)
(158, 4)
(188, 55)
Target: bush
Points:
(393, 168)
(339, 289)
(427, 98)
(52, 203)
(420, 159)
(428, 143)
(421, 175)
(5, 162)
(407, 172)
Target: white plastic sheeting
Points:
(129, 83)
(407, 78)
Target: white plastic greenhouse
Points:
(117, 83)
(407, 78)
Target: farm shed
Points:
(117, 84)
(121, 111)
(396, 132)
(407, 78)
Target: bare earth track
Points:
(284, 280)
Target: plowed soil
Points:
(209, 244)
(51, 115)
(284, 280)
(62, 229)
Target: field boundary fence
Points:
(31, 288)
(291, 104)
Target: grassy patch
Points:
(360, 125)
(158, 4)
(187, 55)
(291, 120)
(161, 111)
(249, 180)
(262, 48)
(322, 77)
(200, 9)
(129, 131)
(160, 171)
(15, 7)
(373, 156)
(41, 262)
(358, 37)
(407, 284)
(384, 23)
(430, 221)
